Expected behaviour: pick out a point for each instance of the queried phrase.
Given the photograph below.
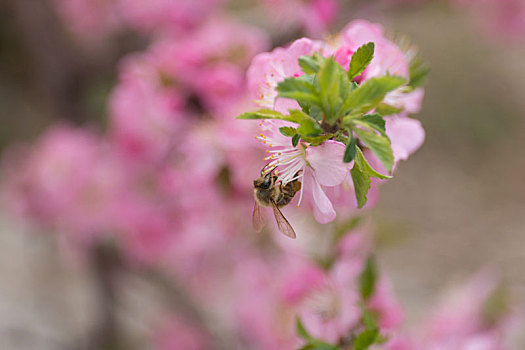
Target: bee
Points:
(268, 192)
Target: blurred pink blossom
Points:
(314, 16)
(176, 334)
(177, 16)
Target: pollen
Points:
(269, 145)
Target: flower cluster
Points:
(95, 20)
(335, 111)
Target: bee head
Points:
(264, 182)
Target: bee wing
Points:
(258, 220)
(283, 224)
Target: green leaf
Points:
(418, 73)
(308, 125)
(312, 343)
(307, 347)
(366, 167)
(365, 339)
(361, 184)
(309, 64)
(288, 131)
(330, 78)
(319, 346)
(350, 149)
(369, 94)
(374, 121)
(301, 331)
(317, 140)
(369, 318)
(295, 139)
(368, 278)
(386, 109)
(360, 60)
(316, 112)
(262, 114)
(298, 89)
(379, 145)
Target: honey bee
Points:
(268, 192)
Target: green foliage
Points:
(379, 145)
(301, 331)
(369, 319)
(418, 73)
(319, 346)
(368, 278)
(366, 338)
(311, 342)
(366, 167)
(350, 149)
(295, 140)
(307, 125)
(361, 184)
(333, 88)
(386, 109)
(360, 60)
(371, 121)
(311, 64)
(288, 131)
(369, 94)
(262, 114)
(317, 140)
(361, 174)
(300, 90)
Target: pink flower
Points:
(384, 303)
(210, 62)
(68, 182)
(145, 117)
(269, 68)
(313, 166)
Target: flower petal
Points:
(406, 135)
(323, 210)
(327, 162)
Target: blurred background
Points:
(455, 207)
